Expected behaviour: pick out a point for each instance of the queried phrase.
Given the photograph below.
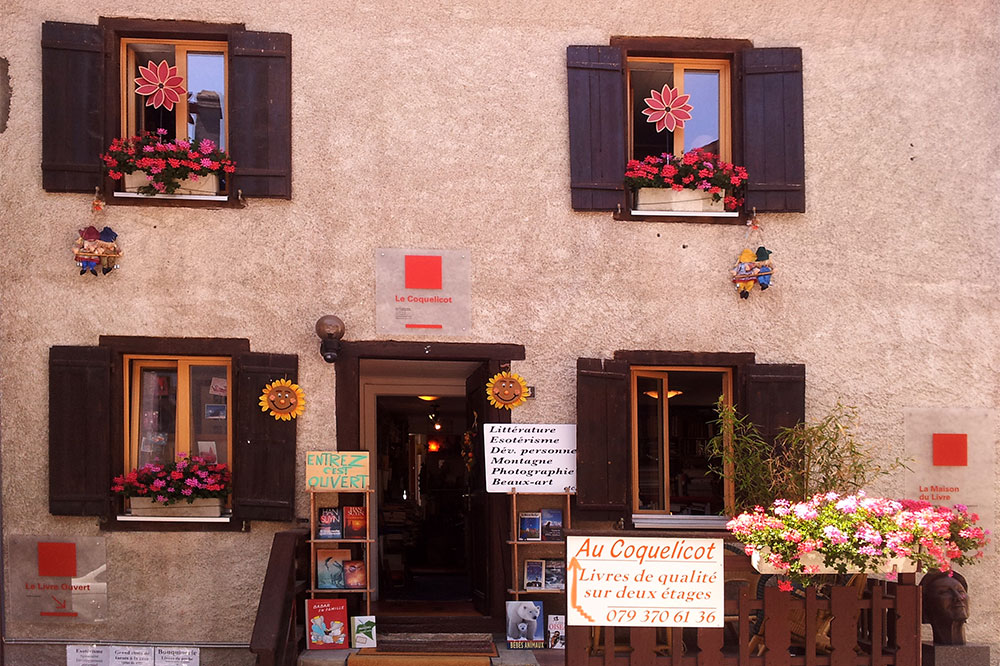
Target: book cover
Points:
(557, 632)
(355, 522)
(326, 620)
(525, 625)
(529, 526)
(552, 525)
(330, 568)
(555, 575)
(329, 523)
(355, 575)
(363, 631)
(534, 574)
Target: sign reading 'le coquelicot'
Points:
(337, 470)
(644, 582)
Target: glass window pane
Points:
(206, 91)
(692, 397)
(702, 131)
(148, 118)
(157, 415)
(645, 139)
(649, 437)
(209, 413)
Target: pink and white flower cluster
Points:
(860, 533)
(165, 162)
(187, 478)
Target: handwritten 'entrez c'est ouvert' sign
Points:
(337, 470)
(644, 582)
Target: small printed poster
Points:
(529, 526)
(207, 450)
(218, 386)
(363, 631)
(173, 656)
(327, 624)
(557, 632)
(88, 655)
(525, 625)
(131, 655)
(534, 574)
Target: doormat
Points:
(444, 644)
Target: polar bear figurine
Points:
(522, 620)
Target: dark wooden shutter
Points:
(773, 137)
(72, 106)
(602, 434)
(260, 108)
(79, 431)
(264, 447)
(775, 396)
(596, 82)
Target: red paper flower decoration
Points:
(667, 109)
(161, 84)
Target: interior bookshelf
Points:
(523, 549)
(321, 499)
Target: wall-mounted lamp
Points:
(330, 329)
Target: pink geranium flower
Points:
(667, 108)
(161, 84)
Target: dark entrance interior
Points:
(462, 552)
(423, 500)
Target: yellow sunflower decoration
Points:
(285, 400)
(507, 390)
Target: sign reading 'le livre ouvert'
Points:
(337, 470)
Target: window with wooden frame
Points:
(132, 400)
(237, 85)
(643, 418)
(178, 405)
(672, 415)
(200, 112)
(751, 98)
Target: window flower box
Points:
(669, 200)
(696, 183)
(153, 165)
(815, 563)
(207, 185)
(202, 507)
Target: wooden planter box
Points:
(669, 200)
(897, 564)
(143, 506)
(205, 185)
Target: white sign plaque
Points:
(644, 582)
(131, 655)
(87, 655)
(175, 656)
(950, 455)
(530, 457)
(421, 292)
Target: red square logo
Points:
(951, 449)
(422, 271)
(57, 559)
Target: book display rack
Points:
(340, 545)
(537, 542)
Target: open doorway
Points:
(423, 498)
(429, 516)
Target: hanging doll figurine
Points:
(752, 269)
(97, 248)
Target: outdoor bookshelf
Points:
(522, 549)
(365, 542)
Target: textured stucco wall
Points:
(885, 287)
